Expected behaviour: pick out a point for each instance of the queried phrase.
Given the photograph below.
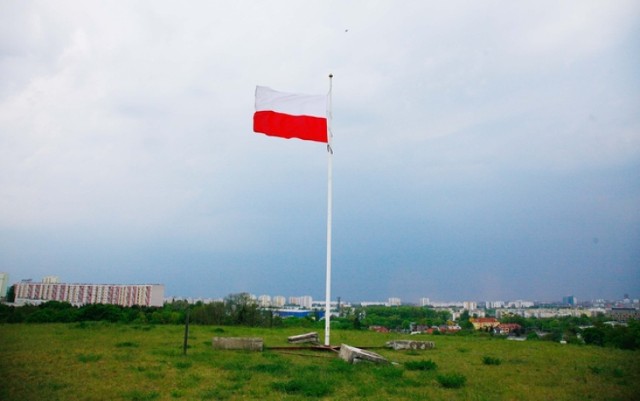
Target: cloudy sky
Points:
(483, 150)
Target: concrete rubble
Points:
(242, 343)
(356, 355)
(410, 344)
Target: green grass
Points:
(97, 361)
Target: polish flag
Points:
(290, 115)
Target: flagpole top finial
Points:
(330, 75)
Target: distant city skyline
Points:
(280, 299)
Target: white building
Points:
(82, 294)
(51, 280)
(364, 304)
(469, 305)
(394, 301)
(264, 301)
(305, 301)
(495, 304)
(424, 302)
(278, 301)
(520, 304)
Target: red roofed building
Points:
(506, 328)
(484, 323)
(379, 329)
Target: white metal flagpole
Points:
(327, 308)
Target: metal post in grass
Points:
(186, 331)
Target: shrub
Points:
(182, 365)
(451, 380)
(127, 344)
(84, 358)
(421, 365)
(137, 395)
(488, 360)
(308, 388)
(596, 369)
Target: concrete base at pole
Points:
(355, 355)
(304, 338)
(243, 343)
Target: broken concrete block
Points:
(355, 355)
(305, 338)
(244, 343)
(409, 344)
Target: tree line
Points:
(236, 309)
(241, 309)
(594, 330)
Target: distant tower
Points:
(306, 301)
(278, 301)
(4, 280)
(469, 305)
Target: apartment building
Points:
(82, 294)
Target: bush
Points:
(421, 365)
(532, 336)
(596, 369)
(183, 365)
(137, 395)
(127, 344)
(307, 388)
(84, 358)
(452, 380)
(488, 360)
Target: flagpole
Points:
(327, 308)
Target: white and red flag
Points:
(290, 115)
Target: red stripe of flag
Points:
(287, 126)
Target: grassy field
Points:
(128, 362)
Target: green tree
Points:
(594, 335)
(464, 321)
(11, 294)
(98, 312)
(212, 313)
